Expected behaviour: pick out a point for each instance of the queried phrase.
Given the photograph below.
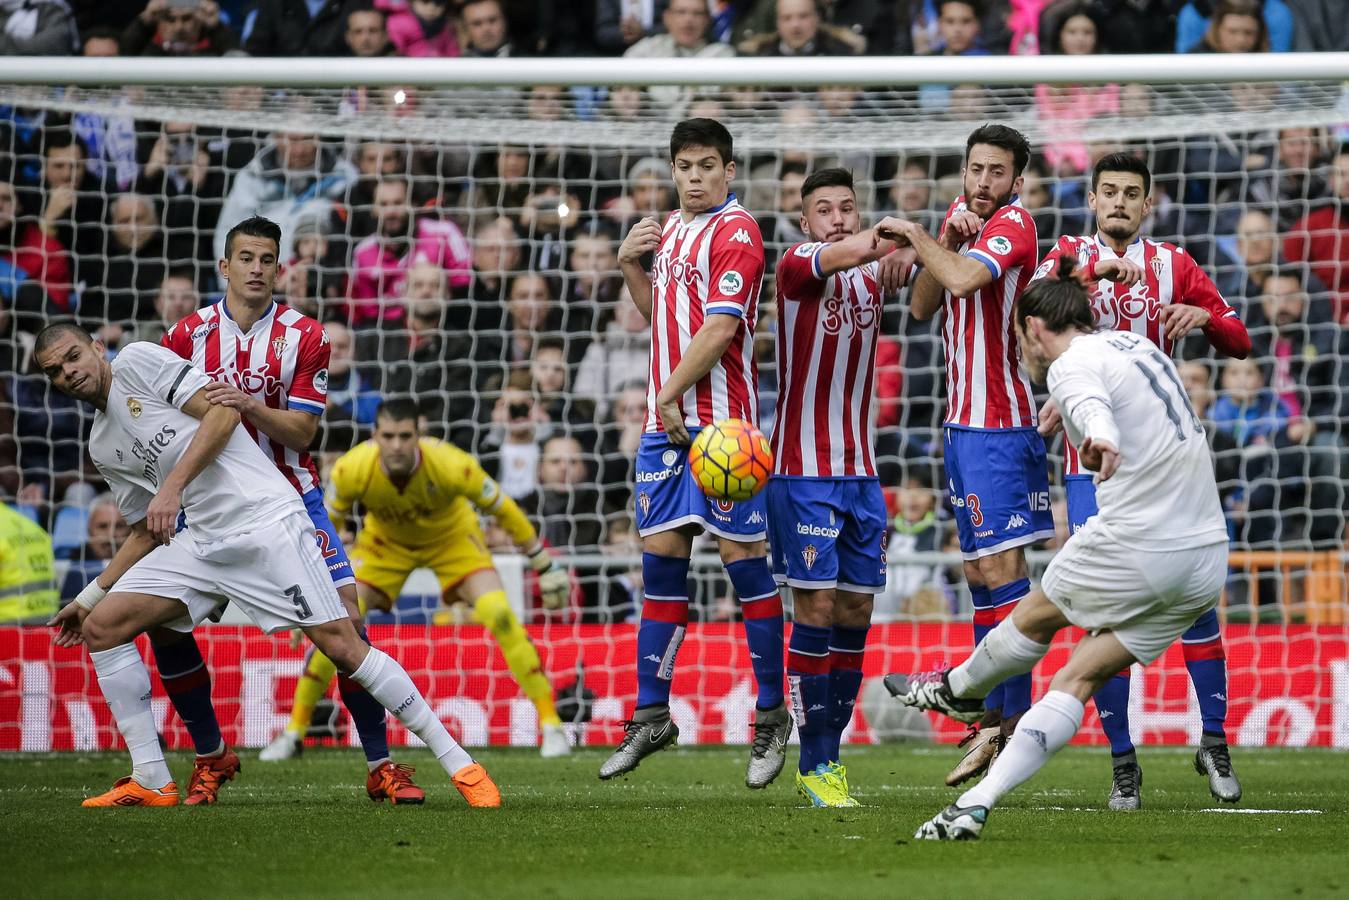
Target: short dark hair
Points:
(834, 176)
(254, 226)
(398, 409)
(552, 342)
(1059, 299)
(52, 333)
(701, 133)
(1003, 136)
(1122, 162)
(974, 6)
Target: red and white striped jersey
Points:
(987, 387)
(282, 360)
(712, 264)
(1170, 276)
(827, 329)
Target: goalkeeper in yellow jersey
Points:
(422, 498)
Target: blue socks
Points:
(367, 716)
(188, 684)
(846, 649)
(808, 674)
(1206, 662)
(665, 616)
(1112, 705)
(761, 605)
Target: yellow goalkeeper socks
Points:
(313, 685)
(494, 611)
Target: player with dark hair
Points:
(995, 461)
(702, 299)
(1157, 290)
(1134, 578)
(826, 514)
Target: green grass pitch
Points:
(683, 825)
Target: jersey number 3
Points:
(301, 604)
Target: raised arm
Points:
(641, 240)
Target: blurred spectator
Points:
(620, 354)
(1321, 238)
(958, 35)
(423, 28)
(367, 33)
(1195, 25)
(380, 263)
(34, 267)
(1319, 25)
(531, 312)
(914, 529)
(1290, 182)
(552, 376)
(298, 27)
(911, 195)
(619, 439)
(648, 192)
(124, 276)
(1236, 26)
(101, 42)
(294, 177)
(176, 299)
(485, 30)
(1066, 109)
(179, 170)
(686, 23)
(799, 32)
(496, 255)
(1137, 26)
(37, 28)
(350, 396)
(105, 531)
(592, 270)
(1253, 259)
(565, 505)
(27, 570)
(513, 446)
(872, 20)
(619, 595)
(621, 23)
(178, 28)
(71, 202)
(1300, 355)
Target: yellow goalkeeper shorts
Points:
(385, 565)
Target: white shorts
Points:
(1147, 599)
(275, 574)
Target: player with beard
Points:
(995, 460)
(1157, 290)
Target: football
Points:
(731, 460)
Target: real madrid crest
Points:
(133, 406)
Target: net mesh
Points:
(504, 293)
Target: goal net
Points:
(459, 242)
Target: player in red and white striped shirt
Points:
(701, 299)
(995, 460)
(826, 513)
(1157, 290)
(271, 364)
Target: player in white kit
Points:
(1135, 577)
(162, 447)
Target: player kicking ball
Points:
(1137, 575)
(1157, 290)
(422, 498)
(826, 513)
(701, 299)
(164, 448)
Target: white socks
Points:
(1042, 731)
(389, 684)
(1003, 652)
(125, 683)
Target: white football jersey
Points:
(1117, 386)
(141, 435)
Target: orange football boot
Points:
(393, 782)
(477, 786)
(126, 792)
(209, 775)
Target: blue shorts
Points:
(828, 533)
(999, 487)
(668, 497)
(1080, 491)
(330, 545)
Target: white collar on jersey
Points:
(1134, 249)
(225, 311)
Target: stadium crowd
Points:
(483, 279)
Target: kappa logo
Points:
(133, 406)
(278, 347)
(810, 554)
(1016, 521)
(651, 657)
(1015, 216)
(755, 518)
(741, 237)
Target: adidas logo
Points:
(1037, 736)
(741, 237)
(1015, 522)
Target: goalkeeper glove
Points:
(554, 582)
